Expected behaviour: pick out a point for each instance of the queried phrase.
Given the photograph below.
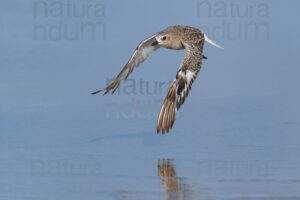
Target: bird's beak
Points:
(212, 42)
(154, 43)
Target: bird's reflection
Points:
(172, 185)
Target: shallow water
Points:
(236, 136)
(237, 156)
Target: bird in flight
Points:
(177, 38)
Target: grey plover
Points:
(177, 38)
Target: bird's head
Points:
(169, 40)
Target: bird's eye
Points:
(164, 38)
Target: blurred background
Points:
(236, 136)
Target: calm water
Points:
(236, 137)
(222, 155)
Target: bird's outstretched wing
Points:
(181, 86)
(176, 96)
(142, 52)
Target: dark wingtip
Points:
(96, 92)
(158, 130)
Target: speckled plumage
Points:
(177, 38)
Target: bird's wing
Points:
(181, 86)
(142, 52)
